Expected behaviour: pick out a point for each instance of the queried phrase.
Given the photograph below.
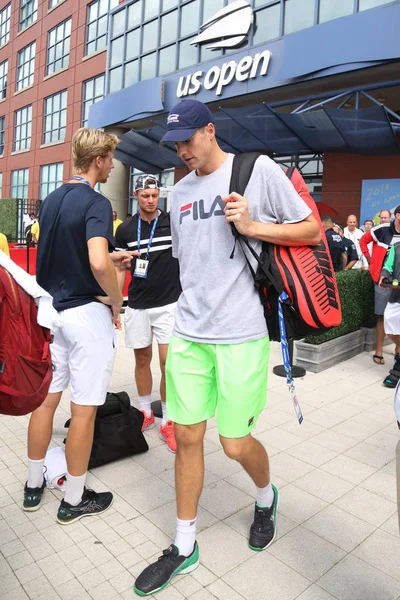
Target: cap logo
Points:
(173, 118)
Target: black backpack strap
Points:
(289, 172)
(242, 168)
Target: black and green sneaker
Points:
(157, 575)
(33, 497)
(263, 529)
(92, 503)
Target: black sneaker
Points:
(33, 497)
(92, 503)
(156, 576)
(263, 529)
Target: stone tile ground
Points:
(338, 534)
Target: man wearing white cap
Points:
(152, 295)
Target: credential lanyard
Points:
(286, 358)
(139, 229)
(77, 178)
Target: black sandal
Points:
(379, 360)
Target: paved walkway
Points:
(337, 528)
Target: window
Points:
(26, 66)
(93, 91)
(96, 25)
(51, 177)
(329, 10)
(27, 13)
(3, 79)
(55, 118)
(5, 15)
(58, 47)
(22, 128)
(267, 24)
(366, 4)
(19, 183)
(2, 128)
(298, 15)
(53, 3)
(190, 18)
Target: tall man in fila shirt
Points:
(218, 354)
(152, 295)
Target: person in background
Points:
(116, 221)
(152, 295)
(350, 249)
(385, 216)
(382, 237)
(391, 316)
(336, 245)
(35, 232)
(354, 233)
(368, 224)
(4, 244)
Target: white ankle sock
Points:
(145, 404)
(164, 413)
(35, 473)
(185, 536)
(74, 489)
(264, 496)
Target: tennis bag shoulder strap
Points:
(305, 273)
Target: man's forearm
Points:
(107, 279)
(305, 233)
(121, 277)
(350, 265)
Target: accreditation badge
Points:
(141, 268)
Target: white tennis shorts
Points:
(83, 353)
(141, 324)
(391, 318)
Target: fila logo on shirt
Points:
(198, 210)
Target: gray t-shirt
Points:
(219, 304)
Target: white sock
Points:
(265, 496)
(185, 536)
(74, 489)
(35, 473)
(145, 404)
(164, 413)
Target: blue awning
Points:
(260, 127)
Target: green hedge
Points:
(356, 291)
(8, 218)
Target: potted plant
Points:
(354, 335)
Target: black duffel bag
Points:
(117, 431)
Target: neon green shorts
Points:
(228, 378)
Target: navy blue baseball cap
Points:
(184, 119)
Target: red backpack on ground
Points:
(25, 361)
(305, 273)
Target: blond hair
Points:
(89, 143)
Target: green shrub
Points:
(356, 309)
(367, 299)
(8, 218)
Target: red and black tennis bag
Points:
(25, 361)
(305, 273)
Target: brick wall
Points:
(343, 175)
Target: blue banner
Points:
(377, 194)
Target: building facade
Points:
(52, 68)
(310, 82)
